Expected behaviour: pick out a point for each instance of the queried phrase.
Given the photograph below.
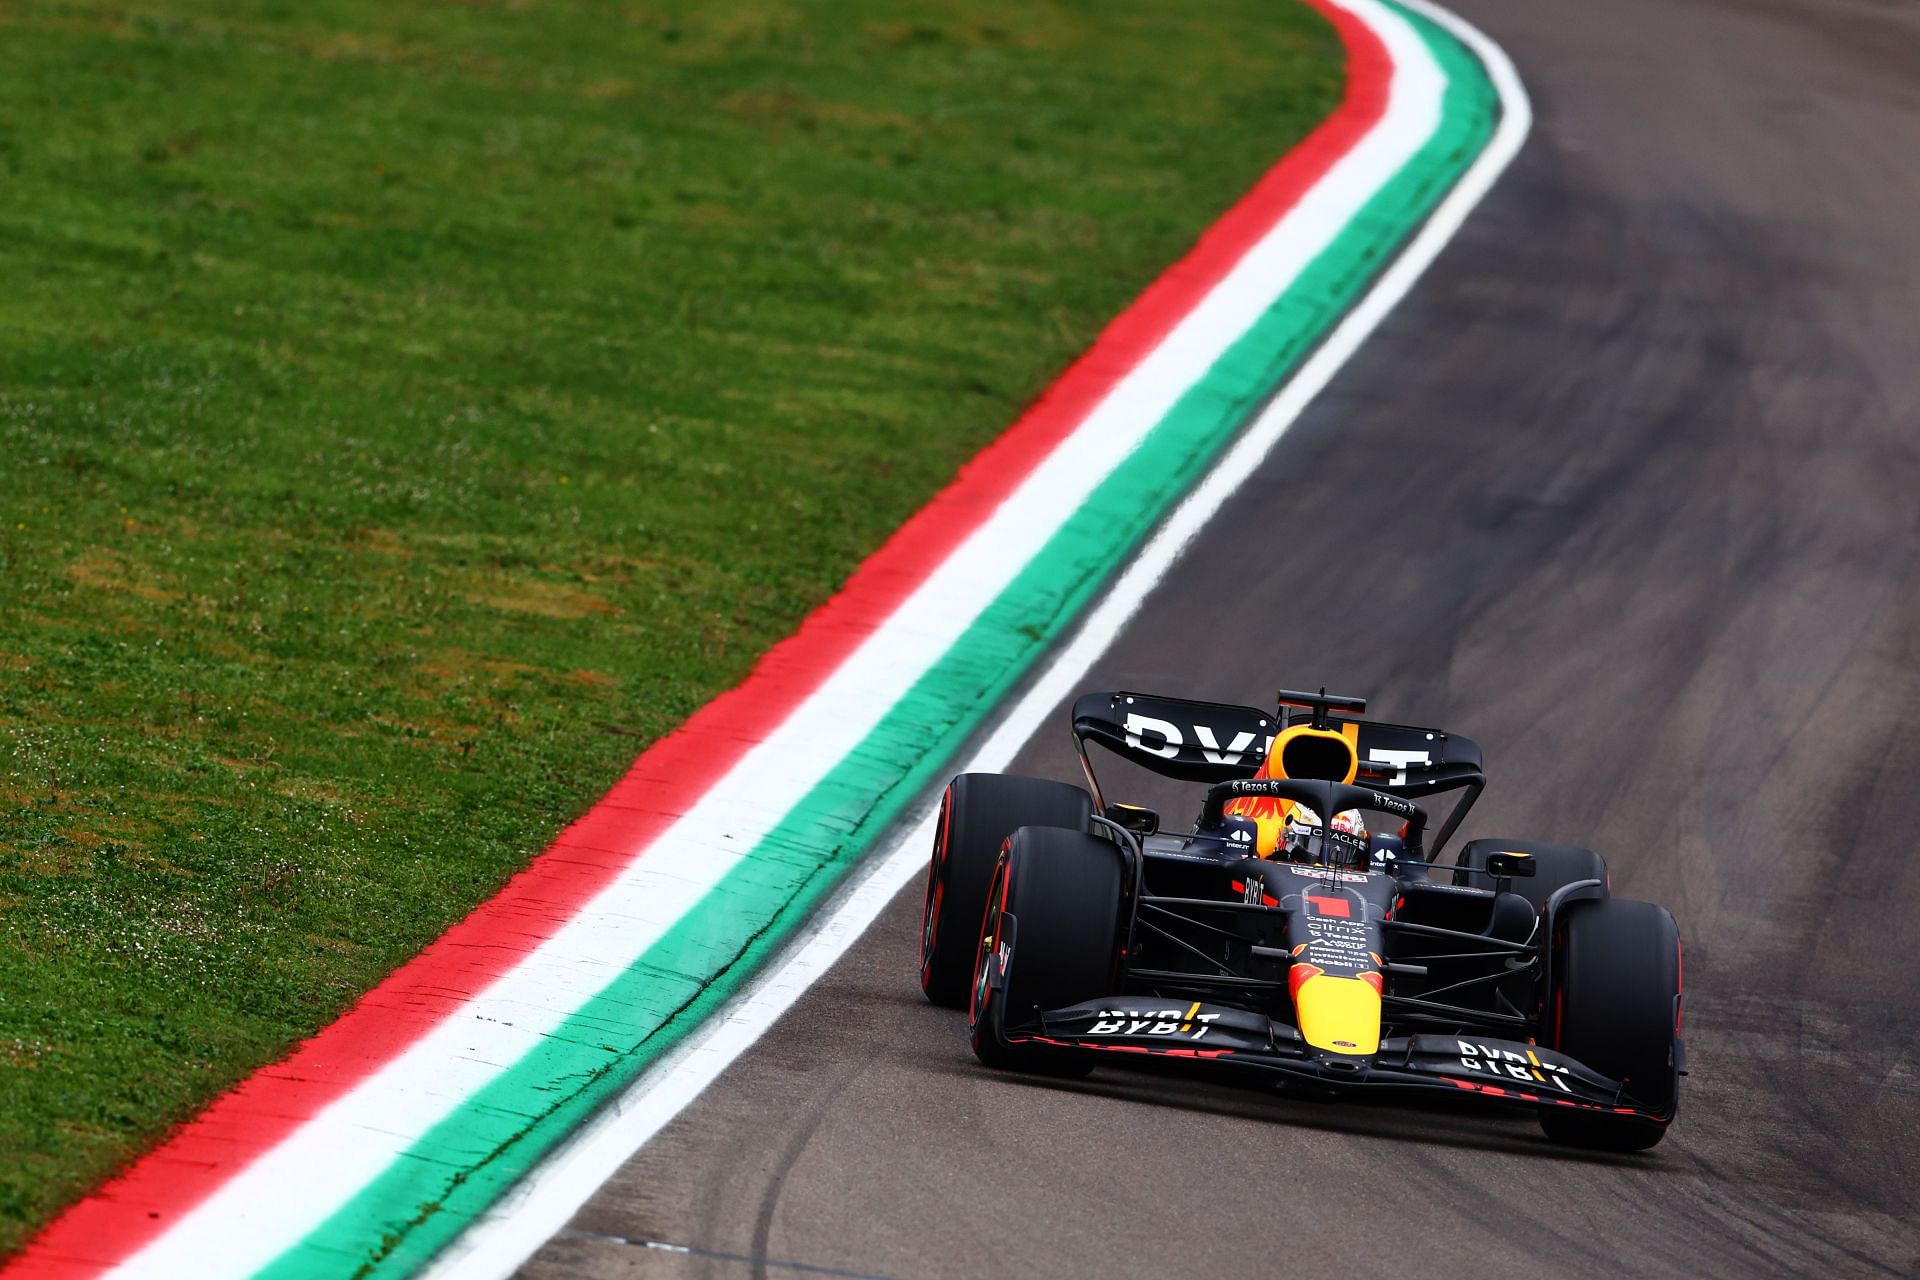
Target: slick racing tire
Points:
(1555, 867)
(1053, 912)
(977, 814)
(1616, 1008)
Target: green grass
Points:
(410, 411)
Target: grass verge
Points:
(412, 411)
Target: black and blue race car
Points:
(1301, 930)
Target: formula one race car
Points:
(1289, 936)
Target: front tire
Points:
(1056, 897)
(1616, 1008)
(977, 814)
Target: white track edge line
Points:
(499, 1241)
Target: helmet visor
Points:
(1311, 842)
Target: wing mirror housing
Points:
(1511, 866)
(1142, 822)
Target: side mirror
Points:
(1511, 866)
(1142, 822)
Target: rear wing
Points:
(1217, 742)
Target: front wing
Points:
(1503, 1070)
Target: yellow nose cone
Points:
(1339, 1015)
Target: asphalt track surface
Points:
(1628, 491)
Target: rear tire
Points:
(1063, 891)
(1616, 1008)
(1555, 867)
(977, 814)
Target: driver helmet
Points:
(1298, 751)
(1343, 845)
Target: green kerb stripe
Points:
(396, 1224)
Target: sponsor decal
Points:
(1507, 1064)
(1210, 746)
(1190, 1024)
(1398, 762)
(1328, 873)
(1392, 804)
(1164, 738)
(1252, 892)
(1138, 726)
(1338, 943)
